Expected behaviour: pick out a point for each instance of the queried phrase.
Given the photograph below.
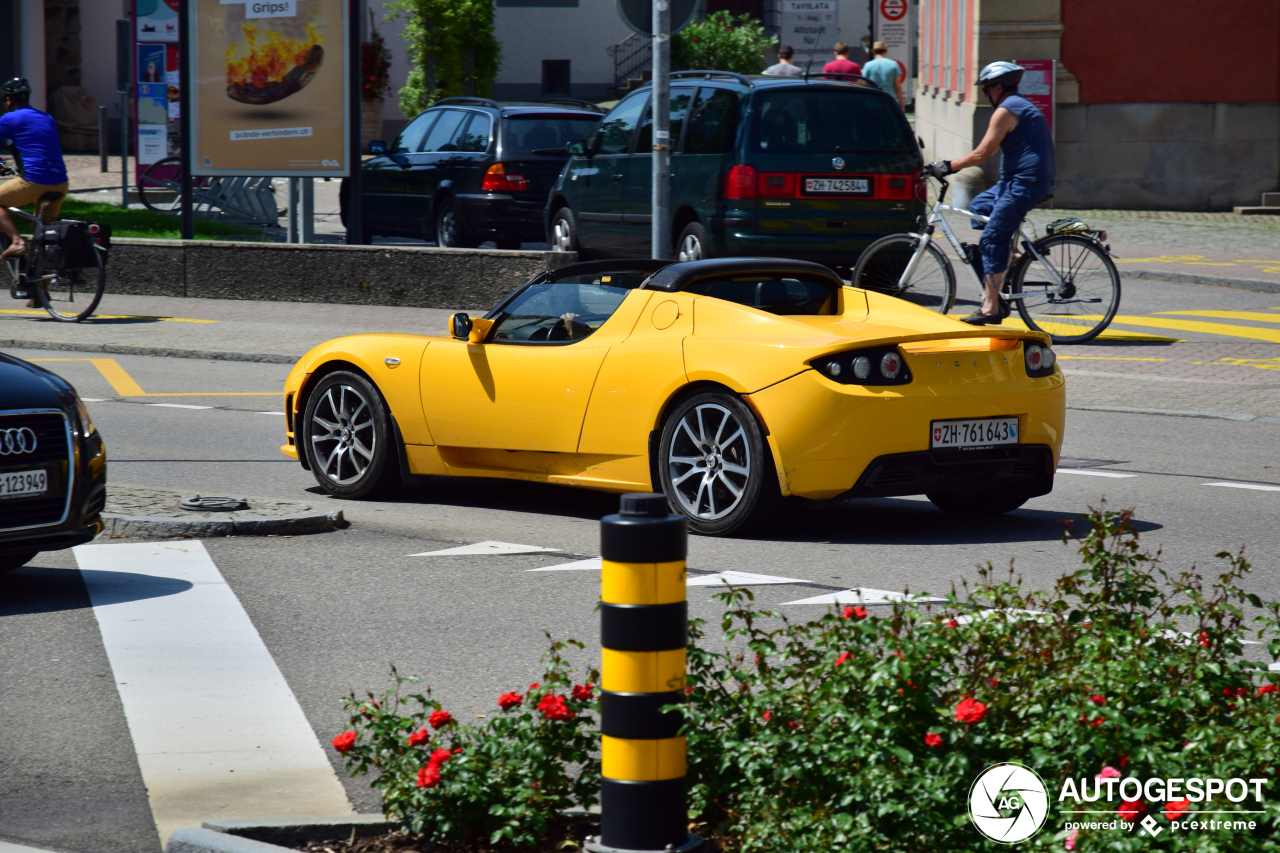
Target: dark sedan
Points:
(53, 465)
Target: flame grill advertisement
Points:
(270, 93)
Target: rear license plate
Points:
(837, 186)
(974, 434)
(23, 484)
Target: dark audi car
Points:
(469, 170)
(53, 465)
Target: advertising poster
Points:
(810, 27)
(270, 87)
(156, 20)
(151, 104)
(1038, 84)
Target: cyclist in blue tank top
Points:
(33, 135)
(1027, 173)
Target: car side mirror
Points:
(459, 325)
(576, 147)
(377, 146)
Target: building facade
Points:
(1160, 104)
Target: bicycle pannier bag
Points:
(68, 245)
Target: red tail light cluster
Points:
(745, 182)
(496, 180)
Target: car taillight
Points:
(740, 182)
(497, 180)
(900, 187)
(776, 185)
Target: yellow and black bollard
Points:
(643, 629)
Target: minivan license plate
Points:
(837, 186)
(974, 434)
(24, 484)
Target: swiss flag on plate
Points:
(937, 433)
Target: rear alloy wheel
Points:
(994, 502)
(563, 234)
(692, 244)
(715, 466)
(449, 231)
(9, 562)
(348, 439)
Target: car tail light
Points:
(890, 365)
(496, 180)
(777, 185)
(740, 182)
(1039, 358)
(897, 187)
(93, 228)
(882, 365)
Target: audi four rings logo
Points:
(17, 441)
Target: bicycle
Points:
(1077, 301)
(65, 263)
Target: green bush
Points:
(854, 733)
(722, 42)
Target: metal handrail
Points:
(631, 55)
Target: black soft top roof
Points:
(674, 276)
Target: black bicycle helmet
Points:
(16, 86)
(1007, 74)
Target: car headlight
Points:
(1039, 358)
(86, 423)
(882, 365)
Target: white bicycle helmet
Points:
(1006, 74)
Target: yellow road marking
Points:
(1228, 315)
(111, 316)
(1107, 358)
(1252, 332)
(125, 386)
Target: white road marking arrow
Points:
(595, 564)
(486, 548)
(737, 579)
(863, 595)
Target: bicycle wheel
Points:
(160, 187)
(932, 284)
(71, 295)
(1088, 300)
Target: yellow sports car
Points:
(726, 384)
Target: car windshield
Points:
(561, 312)
(788, 294)
(826, 121)
(526, 134)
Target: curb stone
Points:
(1257, 284)
(144, 526)
(10, 847)
(170, 352)
(296, 831)
(198, 840)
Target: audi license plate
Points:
(24, 484)
(975, 434)
(837, 186)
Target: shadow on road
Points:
(38, 589)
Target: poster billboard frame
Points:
(191, 106)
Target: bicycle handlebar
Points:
(942, 193)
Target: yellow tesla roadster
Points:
(726, 384)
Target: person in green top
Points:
(885, 72)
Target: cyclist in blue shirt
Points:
(1027, 173)
(33, 137)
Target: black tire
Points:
(1093, 289)
(692, 244)
(352, 412)
(9, 562)
(70, 295)
(980, 504)
(163, 194)
(713, 433)
(450, 233)
(562, 236)
(880, 268)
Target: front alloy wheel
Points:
(347, 439)
(716, 467)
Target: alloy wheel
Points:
(343, 434)
(690, 248)
(561, 238)
(709, 462)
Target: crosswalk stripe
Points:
(217, 731)
(1256, 316)
(1252, 332)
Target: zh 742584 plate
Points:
(837, 186)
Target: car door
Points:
(638, 196)
(386, 179)
(431, 165)
(598, 179)
(527, 386)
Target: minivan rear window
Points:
(526, 134)
(823, 121)
(789, 295)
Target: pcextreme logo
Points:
(1008, 803)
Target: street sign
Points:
(638, 14)
(810, 27)
(892, 26)
(893, 10)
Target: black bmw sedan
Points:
(53, 465)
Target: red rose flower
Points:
(554, 708)
(534, 686)
(344, 741)
(844, 656)
(793, 724)
(429, 776)
(582, 692)
(1098, 699)
(688, 689)
(1267, 688)
(440, 718)
(1130, 809)
(1175, 809)
(933, 739)
(951, 623)
(507, 701)
(855, 613)
(419, 737)
(438, 757)
(970, 710)
(1204, 638)
(767, 715)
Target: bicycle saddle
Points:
(50, 197)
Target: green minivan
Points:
(815, 168)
